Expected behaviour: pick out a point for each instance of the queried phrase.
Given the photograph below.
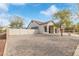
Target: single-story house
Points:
(43, 27)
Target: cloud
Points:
(18, 4)
(4, 14)
(50, 11)
(3, 7)
(4, 22)
(4, 19)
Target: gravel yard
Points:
(41, 45)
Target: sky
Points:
(34, 11)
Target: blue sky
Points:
(35, 11)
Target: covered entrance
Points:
(51, 30)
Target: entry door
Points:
(50, 29)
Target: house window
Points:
(34, 27)
(45, 28)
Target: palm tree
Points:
(64, 17)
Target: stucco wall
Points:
(41, 27)
(21, 31)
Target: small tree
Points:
(77, 27)
(16, 22)
(64, 17)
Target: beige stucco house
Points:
(43, 27)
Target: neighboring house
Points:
(43, 27)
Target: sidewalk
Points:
(76, 35)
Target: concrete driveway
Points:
(41, 45)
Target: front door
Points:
(50, 29)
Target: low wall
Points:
(77, 51)
(21, 31)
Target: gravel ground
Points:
(41, 45)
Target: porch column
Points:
(53, 29)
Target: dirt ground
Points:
(2, 43)
(41, 45)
